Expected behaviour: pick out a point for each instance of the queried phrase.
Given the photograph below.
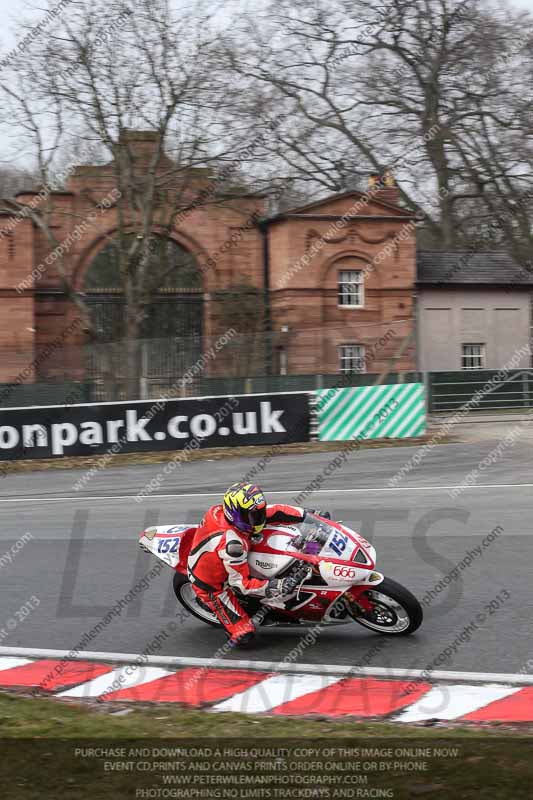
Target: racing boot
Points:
(241, 634)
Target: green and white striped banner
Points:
(371, 412)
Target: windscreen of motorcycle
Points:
(268, 565)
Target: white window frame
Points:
(346, 358)
(472, 352)
(353, 280)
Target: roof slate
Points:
(465, 267)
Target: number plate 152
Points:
(168, 545)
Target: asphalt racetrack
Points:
(83, 555)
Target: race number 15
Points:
(338, 543)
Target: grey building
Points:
(473, 310)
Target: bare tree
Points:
(79, 96)
(427, 87)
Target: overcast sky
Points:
(12, 12)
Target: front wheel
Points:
(396, 610)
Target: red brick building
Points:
(342, 279)
(337, 276)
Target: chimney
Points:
(141, 144)
(383, 187)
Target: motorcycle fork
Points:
(358, 602)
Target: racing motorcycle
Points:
(338, 582)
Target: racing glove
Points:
(278, 587)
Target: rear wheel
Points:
(188, 598)
(396, 610)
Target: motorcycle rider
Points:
(218, 559)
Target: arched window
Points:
(169, 339)
(174, 286)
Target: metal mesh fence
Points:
(483, 390)
(187, 366)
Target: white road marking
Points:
(122, 678)
(175, 662)
(10, 662)
(451, 702)
(365, 490)
(275, 691)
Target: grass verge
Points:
(40, 760)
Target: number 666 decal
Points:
(340, 571)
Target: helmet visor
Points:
(257, 518)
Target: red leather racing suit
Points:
(218, 560)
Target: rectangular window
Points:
(351, 289)
(352, 358)
(473, 356)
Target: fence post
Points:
(427, 390)
(145, 371)
(525, 388)
(313, 422)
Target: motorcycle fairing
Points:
(273, 554)
(276, 541)
(170, 543)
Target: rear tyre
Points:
(188, 598)
(396, 611)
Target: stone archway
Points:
(170, 333)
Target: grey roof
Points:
(441, 267)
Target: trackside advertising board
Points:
(371, 412)
(139, 427)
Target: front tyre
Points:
(396, 610)
(188, 598)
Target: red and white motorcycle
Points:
(339, 586)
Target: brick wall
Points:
(306, 254)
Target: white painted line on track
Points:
(275, 691)
(366, 490)
(121, 678)
(10, 662)
(175, 662)
(451, 702)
